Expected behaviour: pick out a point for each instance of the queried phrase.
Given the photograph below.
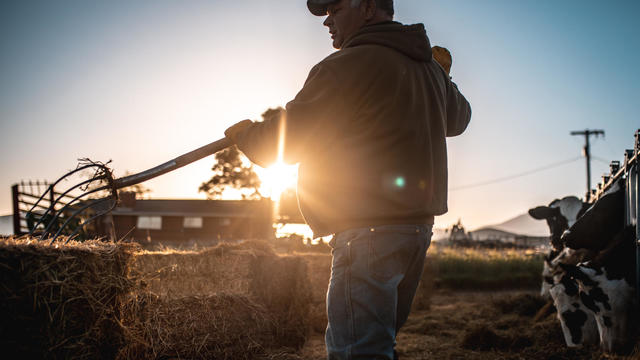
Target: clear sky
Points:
(140, 82)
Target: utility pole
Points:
(587, 152)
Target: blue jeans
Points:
(374, 276)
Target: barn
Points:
(188, 222)
(494, 234)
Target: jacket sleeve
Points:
(458, 111)
(309, 120)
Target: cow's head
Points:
(600, 223)
(556, 222)
(560, 215)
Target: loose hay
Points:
(522, 304)
(62, 301)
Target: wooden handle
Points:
(176, 163)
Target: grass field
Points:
(483, 269)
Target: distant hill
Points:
(6, 225)
(522, 225)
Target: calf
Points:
(560, 215)
(607, 289)
(578, 323)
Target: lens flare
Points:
(278, 177)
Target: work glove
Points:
(443, 57)
(233, 132)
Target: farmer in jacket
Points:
(368, 130)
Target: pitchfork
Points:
(81, 204)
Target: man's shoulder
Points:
(355, 56)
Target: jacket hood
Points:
(410, 40)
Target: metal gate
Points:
(629, 170)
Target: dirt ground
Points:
(479, 325)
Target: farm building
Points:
(173, 222)
(188, 221)
(493, 234)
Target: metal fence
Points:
(33, 200)
(629, 170)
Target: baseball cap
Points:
(319, 7)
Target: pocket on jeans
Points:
(389, 254)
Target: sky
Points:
(141, 82)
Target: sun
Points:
(276, 179)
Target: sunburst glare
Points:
(276, 179)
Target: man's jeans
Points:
(374, 277)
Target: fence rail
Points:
(33, 200)
(629, 170)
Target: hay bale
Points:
(251, 270)
(176, 273)
(282, 285)
(319, 276)
(221, 326)
(103, 300)
(62, 301)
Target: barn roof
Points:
(197, 208)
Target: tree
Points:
(230, 171)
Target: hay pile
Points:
(227, 302)
(99, 300)
(62, 301)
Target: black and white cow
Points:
(560, 215)
(606, 282)
(600, 223)
(579, 325)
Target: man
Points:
(368, 130)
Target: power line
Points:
(604, 161)
(514, 176)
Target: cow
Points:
(606, 281)
(578, 324)
(560, 215)
(600, 223)
(607, 286)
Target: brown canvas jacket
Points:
(368, 130)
